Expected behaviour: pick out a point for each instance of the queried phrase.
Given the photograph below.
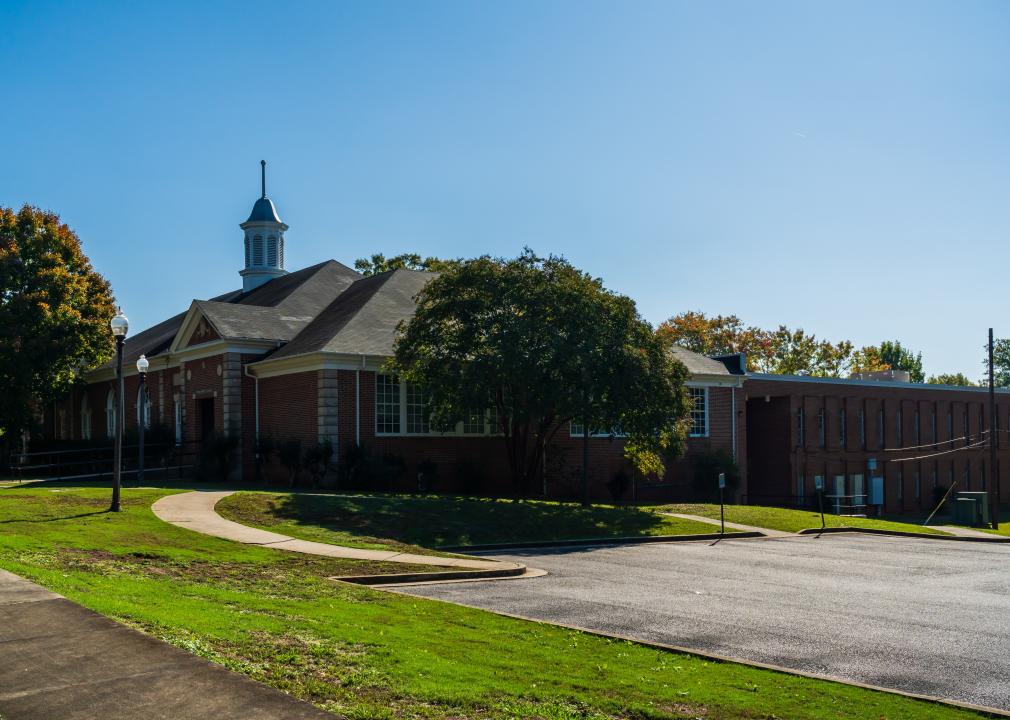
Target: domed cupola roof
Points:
(264, 211)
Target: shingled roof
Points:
(273, 311)
(362, 320)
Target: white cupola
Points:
(264, 241)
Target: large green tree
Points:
(379, 263)
(542, 344)
(1001, 360)
(898, 357)
(54, 314)
(959, 379)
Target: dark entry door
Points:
(205, 410)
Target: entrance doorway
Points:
(205, 420)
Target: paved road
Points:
(61, 661)
(926, 616)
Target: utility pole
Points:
(994, 476)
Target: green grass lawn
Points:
(404, 522)
(364, 653)
(792, 520)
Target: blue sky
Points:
(841, 167)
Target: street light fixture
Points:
(142, 365)
(120, 326)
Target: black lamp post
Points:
(142, 365)
(120, 325)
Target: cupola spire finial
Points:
(263, 177)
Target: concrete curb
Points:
(715, 657)
(517, 570)
(598, 542)
(901, 533)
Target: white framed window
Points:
(576, 429)
(417, 415)
(143, 409)
(178, 420)
(473, 424)
(387, 404)
(110, 414)
(699, 411)
(85, 418)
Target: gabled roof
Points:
(698, 364)
(363, 319)
(275, 310)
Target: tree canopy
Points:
(950, 379)
(540, 344)
(54, 314)
(379, 263)
(787, 351)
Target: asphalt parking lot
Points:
(925, 616)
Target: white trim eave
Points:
(715, 381)
(219, 347)
(186, 328)
(310, 362)
(889, 384)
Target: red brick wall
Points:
(807, 458)
(288, 407)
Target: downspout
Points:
(256, 415)
(357, 403)
(733, 411)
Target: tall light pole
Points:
(120, 325)
(142, 365)
(993, 475)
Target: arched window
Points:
(272, 251)
(143, 407)
(110, 414)
(178, 420)
(85, 418)
(257, 252)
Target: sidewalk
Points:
(732, 526)
(195, 511)
(61, 661)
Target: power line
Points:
(974, 446)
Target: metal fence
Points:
(97, 462)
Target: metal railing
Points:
(96, 462)
(845, 504)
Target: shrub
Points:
(216, 459)
(707, 467)
(427, 475)
(619, 484)
(361, 469)
(467, 477)
(289, 454)
(318, 460)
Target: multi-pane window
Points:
(417, 412)
(841, 428)
(699, 411)
(474, 423)
(143, 408)
(492, 420)
(178, 421)
(85, 419)
(387, 404)
(110, 414)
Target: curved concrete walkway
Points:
(195, 511)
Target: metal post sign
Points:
(818, 482)
(722, 481)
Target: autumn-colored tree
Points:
(54, 314)
(542, 344)
(959, 379)
(379, 263)
(868, 359)
(718, 335)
